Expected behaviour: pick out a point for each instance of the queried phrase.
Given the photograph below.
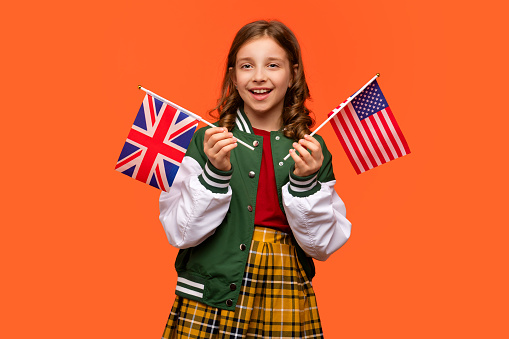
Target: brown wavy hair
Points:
(296, 117)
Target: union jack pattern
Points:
(156, 143)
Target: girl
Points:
(247, 222)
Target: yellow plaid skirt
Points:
(276, 299)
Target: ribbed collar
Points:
(242, 122)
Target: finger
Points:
(310, 143)
(311, 139)
(298, 161)
(313, 147)
(219, 156)
(303, 152)
(220, 144)
(213, 131)
(217, 137)
(226, 149)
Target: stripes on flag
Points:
(369, 139)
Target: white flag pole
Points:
(197, 117)
(340, 107)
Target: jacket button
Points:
(281, 163)
(277, 137)
(251, 174)
(255, 143)
(250, 208)
(242, 247)
(229, 302)
(233, 287)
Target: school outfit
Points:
(237, 279)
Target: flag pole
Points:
(197, 117)
(340, 107)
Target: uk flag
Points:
(156, 143)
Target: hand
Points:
(307, 163)
(217, 146)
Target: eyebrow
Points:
(250, 59)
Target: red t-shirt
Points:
(268, 213)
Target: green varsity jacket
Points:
(209, 214)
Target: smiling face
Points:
(262, 76)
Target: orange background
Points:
(83, 254)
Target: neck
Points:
(264, 121)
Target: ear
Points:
(232, 75)
(295, 69)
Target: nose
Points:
(260, 75)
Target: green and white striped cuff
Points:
(303, 186)
(215, 180)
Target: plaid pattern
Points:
(276, 299)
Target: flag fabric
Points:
(156, 143)
(368, 130)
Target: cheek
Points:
(287, 81)
(241, 79)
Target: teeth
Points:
(261, 91)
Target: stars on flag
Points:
(370, 101)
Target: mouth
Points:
(260, 93)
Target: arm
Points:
(315, 212)
(318, 221)
(198, 199)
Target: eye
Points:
(273, 65)
(246, 66)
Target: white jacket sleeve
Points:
(318, 221)
(191, 212)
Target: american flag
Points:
(156, 143)
(368, 130)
